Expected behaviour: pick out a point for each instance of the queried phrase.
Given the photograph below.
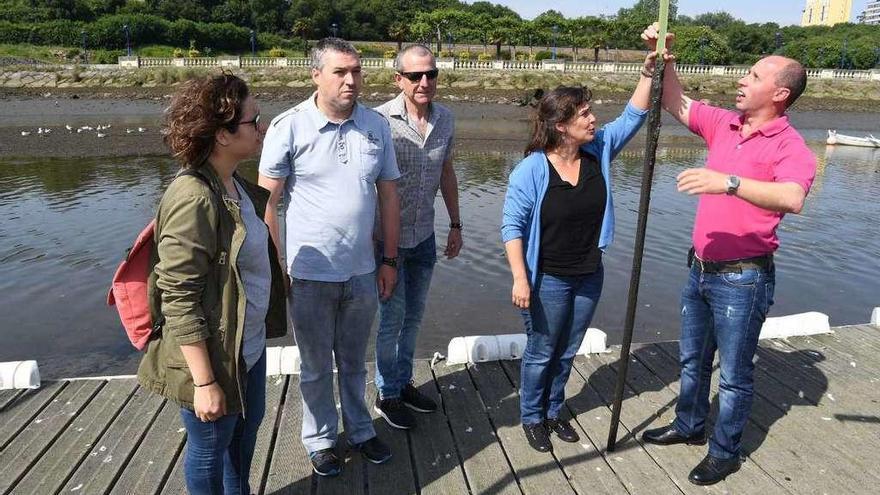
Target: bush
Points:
(193, 52)
(548, 55)
(389, 54)
(446, 54)
(178, 53)
(464, 55)
(484, 57)
(277, 52)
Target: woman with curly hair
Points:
(217, 290)
(558, 219)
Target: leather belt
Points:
(764, 262)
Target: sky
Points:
(783, 12)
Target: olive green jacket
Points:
(195, 290)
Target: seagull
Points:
(128, 131)
(69, 129)
(142, 129)
(100, 135)
(79, 130)
(39, 130)
(25, 133)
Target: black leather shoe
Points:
(711, 470)
(538, 437)
(563, 430)
(668, 435)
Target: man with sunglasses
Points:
(423, 140)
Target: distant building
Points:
(871, 14)
(826, 12)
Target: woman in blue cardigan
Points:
(558, 219)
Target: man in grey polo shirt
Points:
(423, 133)
(331, 157)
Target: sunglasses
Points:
(417, 76)
(255, 121)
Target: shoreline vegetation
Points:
(514, 88)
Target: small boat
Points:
(866, 142)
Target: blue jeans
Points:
(723, 312)
(559, 313)
(333, 319)
(401, 315)
(219, 453)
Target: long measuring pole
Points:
(644, 203)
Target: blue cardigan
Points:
(530, 178)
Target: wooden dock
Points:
(815, 427)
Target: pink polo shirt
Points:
(727, 227)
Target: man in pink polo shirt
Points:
(758, 169)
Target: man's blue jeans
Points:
(333, 319)
(559, 313)
(401, 315)
(219, 453)
(724, 312)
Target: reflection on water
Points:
(66, 225)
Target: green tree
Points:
(695, 44)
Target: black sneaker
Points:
(563, 430)
(538, 437)
(373, 450)
(325, 462)
(394, 413)
(416, 400)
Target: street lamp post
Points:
(703, 42)
(85, 52)
(333, 29)
(843, 55)
(449, 44)
(778, 40)
(127, 39)
(253, 43)
(555, 29)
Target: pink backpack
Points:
(129, 290)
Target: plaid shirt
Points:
(420, 160)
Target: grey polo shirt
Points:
(330, 192)
(421, 162)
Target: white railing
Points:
(481, 65)
(155, 62)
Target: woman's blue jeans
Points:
(219, 453)
(557, 319)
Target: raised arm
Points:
(674, 100)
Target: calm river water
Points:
(66, 223)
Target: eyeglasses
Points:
(417, 76)
(255, 121)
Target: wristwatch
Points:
(392, 262)
(455, 225)
(732, 184)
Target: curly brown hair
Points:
(199, 109)
(557, 106)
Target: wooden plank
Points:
(175, 484)
(582, 463)
(866, 335)
(435, 459)
(852, 351)
(25, 408)
(486, 468)
(290, 472)
(150, 465)
(38, 435)
(7, 397)
(50, 472)
(537, 472)
(110, 454)
(275, 388)
(396, 475)
(636, 470)
(675, 460)
(782, 452)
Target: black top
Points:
(571, 221)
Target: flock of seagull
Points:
(100, 131)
